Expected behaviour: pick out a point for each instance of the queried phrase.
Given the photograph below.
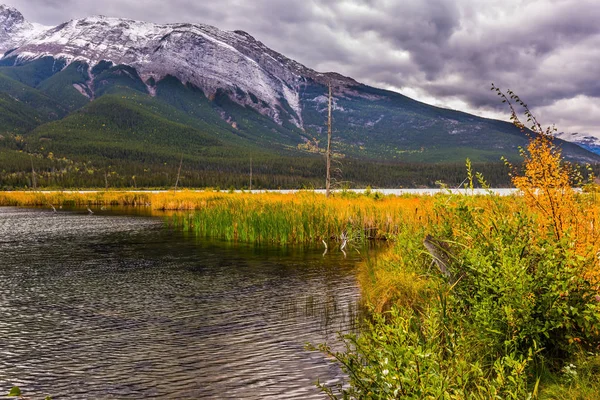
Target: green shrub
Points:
(517, 306)
(425, 356)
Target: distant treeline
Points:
(21, 170)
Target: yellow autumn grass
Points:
(373, 215)
(308, 217)
(46, 199)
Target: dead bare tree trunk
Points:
(33, 181)
(250, 173)
(178, 172)
(328, 178)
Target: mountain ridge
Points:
(234, 60)
(16, 29)
(241, 99)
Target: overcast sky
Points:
(441, 52)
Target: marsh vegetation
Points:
(476, 297)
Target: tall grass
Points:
(303, 218)
(300, 218)
(521, 321)
(45, 199)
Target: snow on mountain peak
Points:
(14, 29)
(202, 55)
(10, 13)
(587, 141)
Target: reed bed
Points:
(303, 218)
(276, 218)
(74, 199)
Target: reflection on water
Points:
(117, 306)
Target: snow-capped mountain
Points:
(124, 73)
(15, 30)
(202, 55)
(589, 142)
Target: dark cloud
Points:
(445, 52)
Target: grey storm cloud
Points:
(438, 51)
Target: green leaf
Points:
(15, 391)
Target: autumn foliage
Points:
(547, 183)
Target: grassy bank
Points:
(495, 299)
(73, 199)
(516, 316)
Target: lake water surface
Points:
(116, 306)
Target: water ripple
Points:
(119, 307)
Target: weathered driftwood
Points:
(440, 252)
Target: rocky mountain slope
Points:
(201, 55)
(15, 30)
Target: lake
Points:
(395, 192)
(118, 305)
